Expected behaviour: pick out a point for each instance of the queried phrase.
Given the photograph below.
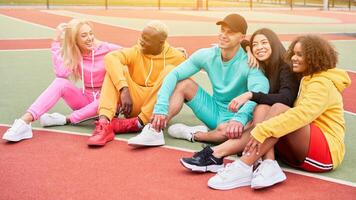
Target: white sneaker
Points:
(54, 119)
(183, 131)
(147, 137)
(267, 174)
(18, 131)
(234, 175)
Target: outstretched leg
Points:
(218, 135)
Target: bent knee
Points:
(61, 81)
(221, 127)
(279, 106)
(186, 84)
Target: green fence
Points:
(185, 4)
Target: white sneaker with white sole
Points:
(183, 131)
(234, 175)
(147, 137)
(54, 119)
(18, 131)
(267, 174)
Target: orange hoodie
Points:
(144, 69)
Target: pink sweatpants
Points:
(83, 105)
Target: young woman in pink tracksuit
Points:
(76, 55)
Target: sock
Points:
(103, 120)
(243, 165)
(139, 123)
(192, 139)
(269, 161)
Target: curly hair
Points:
(319, 55)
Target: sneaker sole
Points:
(100, 143)
(16, 139)
(144, 145)
(149, 144)
(241, 183)
(270, 182)
(194, 168)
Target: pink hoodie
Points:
(92, 74)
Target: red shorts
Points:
(319, 157)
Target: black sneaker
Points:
(203, 161)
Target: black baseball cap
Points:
(234, 21)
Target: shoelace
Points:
(151, 129)
(14, 128)
(258, 171)
(98, 128)
(51, 116)
(223, 172)
(203, 154)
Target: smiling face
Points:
(85, 39)
(298, 61)
(151, 41)
(261, 48)
(228, 39)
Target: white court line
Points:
(24, 21)
(21, 50)
(350, 113)
(37, 38)
(314, 175)
(351, 71)
(334, 180)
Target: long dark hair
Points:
(271, 67)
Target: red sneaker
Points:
(102, 134)
(121, 125)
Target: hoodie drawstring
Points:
(149, 74)
(151, 68)
(95, 94)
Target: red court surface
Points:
(191, 43)
(61, 166)
(349, 94)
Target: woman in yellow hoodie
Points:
(310, 135)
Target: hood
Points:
(101, 49)
(165, 51)
(339, 77)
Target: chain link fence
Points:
(188, 4)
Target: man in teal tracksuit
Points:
(227, 68)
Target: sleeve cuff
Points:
(161, 109)
(120, 85)
(258, 135)
(243, 120)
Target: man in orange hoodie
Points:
(133, 78)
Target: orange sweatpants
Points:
(143, 98)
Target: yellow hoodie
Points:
(144, 69)
(319, 101)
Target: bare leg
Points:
(215, 136)
(269, 154)
(27, 117)
(236, 145)
(232, 146)
(185, 90)
(297, 142)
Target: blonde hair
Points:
(159, 26)
(70, 51)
